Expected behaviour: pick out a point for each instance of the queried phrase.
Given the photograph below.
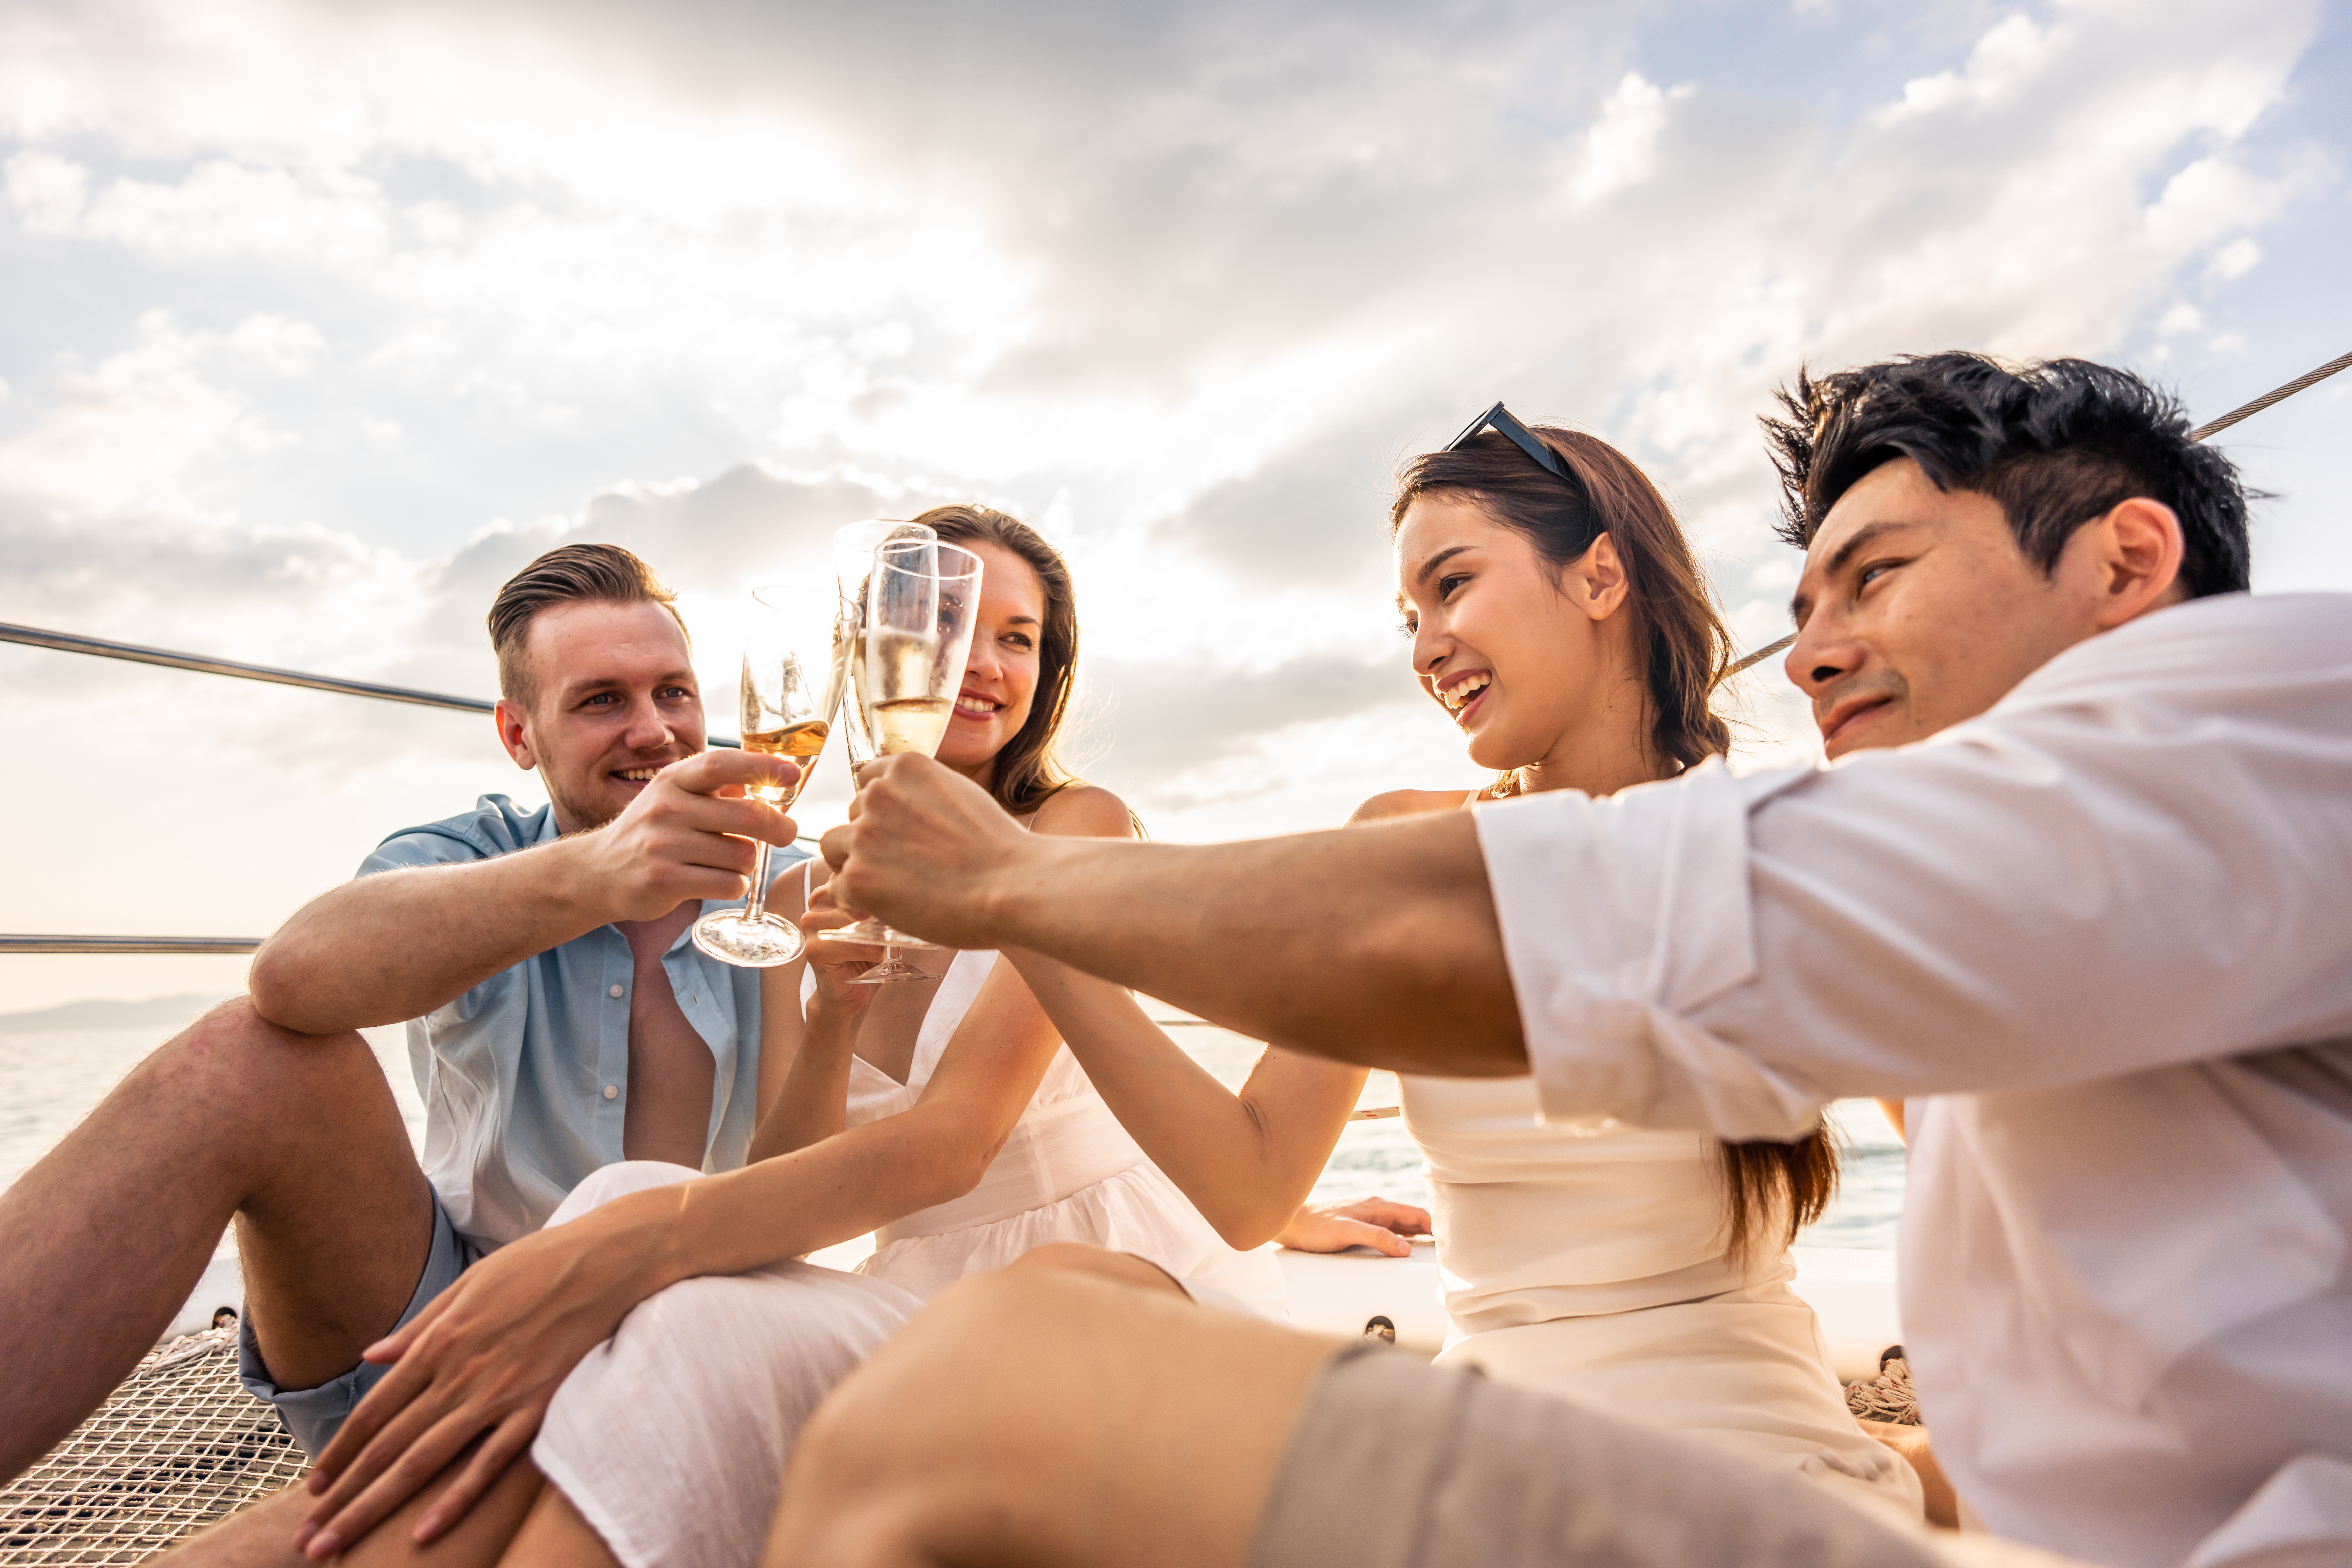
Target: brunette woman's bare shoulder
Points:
(1085, 811)
(1408, 803)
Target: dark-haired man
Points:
(2077, 888)
(558, 1020)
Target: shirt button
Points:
(613, 993)
(612, 1091)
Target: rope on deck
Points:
(1889, 1395)
(180, 1445)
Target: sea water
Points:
(51, 1076)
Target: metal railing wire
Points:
(197, 944)
(2276, 394)
(205, 663)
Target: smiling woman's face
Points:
(999, 677)
(1516, 662)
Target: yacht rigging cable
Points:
(204, 664)
(2211, 428)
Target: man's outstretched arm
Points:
(398, 944)
(1377, 944)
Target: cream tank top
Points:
(1537, 1221)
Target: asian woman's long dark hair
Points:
(1685, 648)
(1027, 770)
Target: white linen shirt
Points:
(2101, 938)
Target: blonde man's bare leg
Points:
(556, 1536)
(263, 1535)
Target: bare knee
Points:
(954, 1360)
(1002, 1423)
(250, 1092)
(1067, 1259)
(618, 1179)
(987, 1344)
(234, 1044)
(903, 1455)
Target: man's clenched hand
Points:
(687, 836)
(930, 852)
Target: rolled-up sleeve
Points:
(1619, 917)
(2142, 857)
(410, 850)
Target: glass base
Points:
(891, 968)
(871, 933)
(732, 937)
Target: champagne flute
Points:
(853, 564)
(922, 601)
(791, 666)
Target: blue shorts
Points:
(315, 1415)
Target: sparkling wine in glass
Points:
(923, 600)
(789, 691)
(853, 564)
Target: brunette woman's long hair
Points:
(1685, 649)
(1028, 771)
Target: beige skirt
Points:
(1745, 1372)
(1464, 1471)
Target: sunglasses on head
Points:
(1501, 419)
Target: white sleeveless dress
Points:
(1591, 1264)
(671, 1438)
(1068, 1172)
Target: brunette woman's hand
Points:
(1378, 1223)
(483, 1359)
(836, 965)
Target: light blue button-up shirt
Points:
(526, 1077)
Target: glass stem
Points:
(757, 909)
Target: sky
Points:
(321, 320)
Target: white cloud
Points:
(130, 435)
(49, 190)
(2001, 66)
(1620, 148)
(330, 218)
(2234, 260)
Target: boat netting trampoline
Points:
(180, 1445)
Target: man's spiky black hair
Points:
(2056, 444)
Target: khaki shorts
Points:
(1397, 1464)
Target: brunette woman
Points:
(979, 1138)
